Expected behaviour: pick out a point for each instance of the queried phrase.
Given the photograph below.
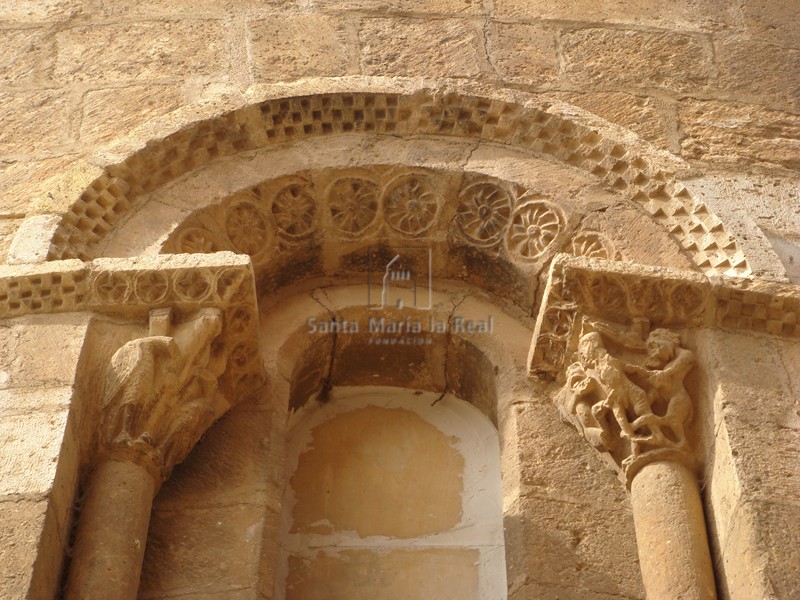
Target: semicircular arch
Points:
(547, 130)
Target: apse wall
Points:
(713, 82)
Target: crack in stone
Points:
(448, 339)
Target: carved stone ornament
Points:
(534, 227)
(651, 183)
(484, 212)
(411, 204)
(247, 229)
(353, 203)
(593, 244)
(630, 402)
(294, 211)
(161, 392)
(610, 291)
(197, 240)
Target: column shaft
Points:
(112, 533)
(671, 533)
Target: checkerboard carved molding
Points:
(619, 292)
(536, 130)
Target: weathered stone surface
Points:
(522, 53)
(115, 52)
(671, 533)
(166, 8)
(41, 10)
(639, 59)
(31, 241)
(39, 117)
(8, 228)
(682, 14)
(25, 401)
(758, 412)
(41, 351)
(759, 72)
(760, 555)
(31, 447)
(640, 114)
(20, 533)
(118, 492)
(112, 112)
(754, 483)
(369, 496)
(772, 22)
(639, 239)
(26, 55)
(391, 575)
(283, 48)
(418, 48)
(201, 550)
(20, 180)
(727, 131)
(121, 63)
(236, 453)
(565, 541)
(404, 6)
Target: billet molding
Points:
(617, 292)
(542, 131)
(134, 288)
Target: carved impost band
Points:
(203, 344)
(619, 292)
(605, 331)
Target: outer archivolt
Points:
(425, 112)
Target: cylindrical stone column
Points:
(671, 533)
(112, 533)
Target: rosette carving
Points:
(592, 244)
(534, 227)
(353, 204)
(294, 211)
(484, 213)
(151, 286)
(247, 229)
(197, 240)
(192, 285)
(410, 204)
(111, 287)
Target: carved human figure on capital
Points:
(161, 391)
(643, 392)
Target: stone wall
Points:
(752, 482)
(714, 82)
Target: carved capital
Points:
(162, 391)
(624, 391)
(606, 334)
